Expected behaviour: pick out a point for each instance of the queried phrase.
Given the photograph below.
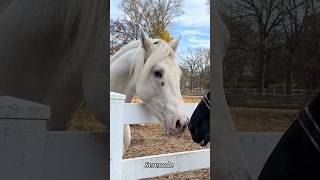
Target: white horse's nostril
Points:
(178, 124)
(184, 126)
(181, 124)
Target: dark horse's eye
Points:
(158, 74)
(156, 42)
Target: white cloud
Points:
(199, 43)
(191, 32)
(196, 13)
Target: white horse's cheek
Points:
(148, 91)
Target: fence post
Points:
(23, 130)
(116, 134)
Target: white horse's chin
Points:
(167, 128)
(165, 121)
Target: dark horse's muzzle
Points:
(199, 125)
(202, 137)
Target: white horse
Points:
(228, 160)
(147, 68)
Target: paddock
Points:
(257, 146)
(28, 150)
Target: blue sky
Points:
(193, 26)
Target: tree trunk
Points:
(261, 70)
(192, 83)
(289, 76)
(191, 80)
(267, 71)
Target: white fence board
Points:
(130, 113)
(256, 148)
(138, 113)
(137, 168)
(116, 134)
(75, 155)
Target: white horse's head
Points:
(158, 83)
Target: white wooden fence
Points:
(136, 168)
(266, 92)
(29, 151)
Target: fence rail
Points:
(170, 163)
(135, 168)
(256, 146)
(266, 92)
(29, 151)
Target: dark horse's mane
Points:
(297, 155)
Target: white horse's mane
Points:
(139, 63)
(126, 48)
(161, 51)
(129, 46)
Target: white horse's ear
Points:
(146, 42)
(174, 44)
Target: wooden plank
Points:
(23, 128)
(138, 113)
(256, 148)
(75, 155)
(15, 108)
(117, 102)
(144, 167)
(22, 145)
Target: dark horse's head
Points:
(199, 125)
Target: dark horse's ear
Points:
(146, 42)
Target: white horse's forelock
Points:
(139, 63)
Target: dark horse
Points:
(199, 124)
(297, 154)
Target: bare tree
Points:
(184, 79)
(120, 35)
(154, 16)
(196, 62)
(293, 28)
(292, 43)
(204, 74)
(241, 50)
(265, 17)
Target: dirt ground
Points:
(262, 120)
(150, 139)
